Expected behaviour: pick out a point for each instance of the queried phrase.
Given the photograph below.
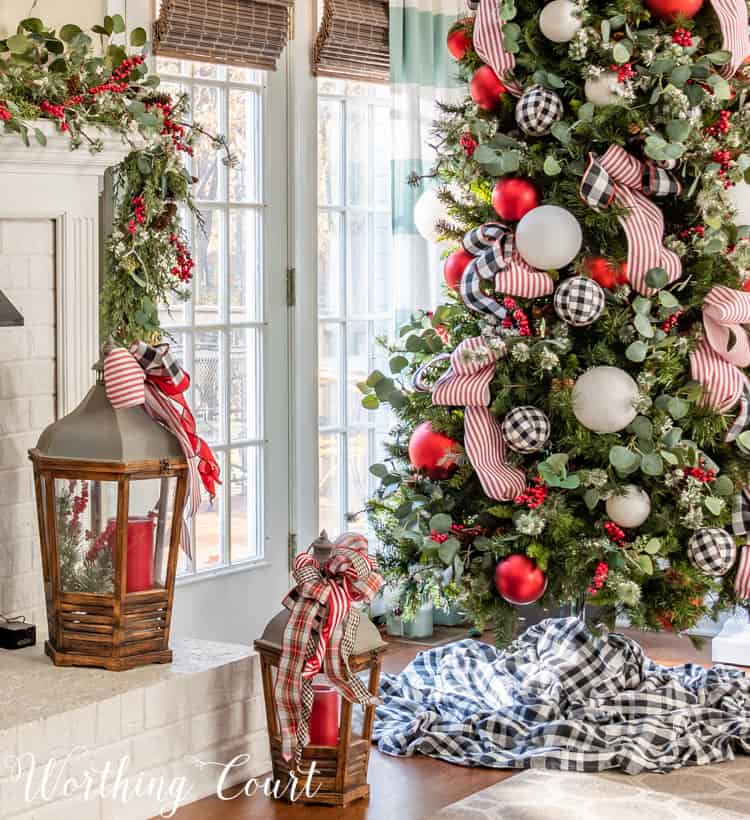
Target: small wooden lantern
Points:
(340, 771)
(110, 492)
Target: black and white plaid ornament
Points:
(538, 110)
(579, 301)
(712, 550)
(526, 429)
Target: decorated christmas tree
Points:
(571, 421)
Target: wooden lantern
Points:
(110, 493)
(340, 771)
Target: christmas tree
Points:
(571, 421)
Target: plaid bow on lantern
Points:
(617, 176)
(148, 376)
(321, 630)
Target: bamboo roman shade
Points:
(249, 33)
(352, 42)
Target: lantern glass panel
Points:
(150, 514)
(85, 525)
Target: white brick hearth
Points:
(206, 707)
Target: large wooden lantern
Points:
(340, 773)
(110, 491)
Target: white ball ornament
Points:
(549, 237)
(629, 509)
(428, 211)
(559, 21)
(604, 399)
(739, 196)
(602, 90)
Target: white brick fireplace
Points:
(207, 706)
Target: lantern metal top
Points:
(368, 638)
(95, 431)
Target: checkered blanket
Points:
(561, 698)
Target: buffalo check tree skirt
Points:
(562, 698)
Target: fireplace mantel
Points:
(53, 182)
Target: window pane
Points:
(358, 368)
(244, 139)
(329, 264)
(206, 382)
(357, 144)
(358, 255)
(381, 171)
(209, 529)
(329, 375)
(330, 464)
(245, 378)
(382, 278)
(169, 65)
(246, 482)
(207, 278)
(208, 71)
(245, 265)
(244, 75)
(330, 156)
(358, 465)
(208, 166)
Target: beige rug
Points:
(720, 792)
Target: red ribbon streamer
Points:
(732, 16)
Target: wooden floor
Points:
(413, 788)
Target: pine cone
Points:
(163, 99)
(73, 83)
(634, 129)
(165, 217)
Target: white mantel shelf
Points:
(57, 156)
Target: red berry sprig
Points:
(682, 37)
(625, 72)
(671, 321)
(600, 576)
(615, 533)
(183, 270)
(439, 537)
(469, 144)
(56, 112)
(534, 495)
(515, 314)
(5, 115)
(721, 126)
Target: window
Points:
(355, 294)
(221, 333)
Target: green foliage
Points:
(89, 86)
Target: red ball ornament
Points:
(433, 453)
(454, 267)
(607, 274)
(459, 40)
(519, 580)
(486, 89)
(514, 197)
(670, 10)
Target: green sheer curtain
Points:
(422, 71)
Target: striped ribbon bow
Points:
(732, 16)
(619, 177)
(496, 257)
(148, 376)
(467, 383)
(489, 44)
(321, 630)
(716, 363)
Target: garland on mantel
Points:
(91, 84)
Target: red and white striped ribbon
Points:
(742, 579)
(732, 16)
(489, 45)
(643, 223)
(127, 385)
(467, 384)
(725, 348)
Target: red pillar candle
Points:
(140, 554)
(324, 721)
